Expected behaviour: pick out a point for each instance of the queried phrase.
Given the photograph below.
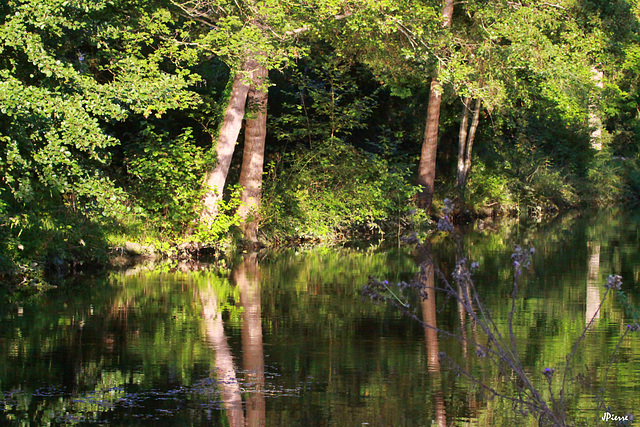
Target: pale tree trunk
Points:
(595, 123)
(462, 141)
(253, 157)
(471, 138)
(427, 166)
(465, 144)
(247, 279)
(225, 369)
(229, 131)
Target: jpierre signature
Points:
(608, 416)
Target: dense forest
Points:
(163, 125)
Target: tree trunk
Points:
(429, 312)
(253, 157)
(469, 145)
(595, 123)
(462, 142)
(427, 166)
(429, 316)
(229, 131)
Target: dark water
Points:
(288, 340)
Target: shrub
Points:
(165, 177)
(315, 193)
(631, 177)
(488, 186)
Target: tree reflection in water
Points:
(501, 343)
(147, 346)
(431, 336)
(593, 284)
(224, 366)
(246, 277)
(248, 281)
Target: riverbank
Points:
(63, 245)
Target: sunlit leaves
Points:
(167, 173)
(236, 30)
(67, 69)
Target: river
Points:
(287, 338)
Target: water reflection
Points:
(593, 282)
(224, 366)
(174, 345)
(429, 317)
(248, 281)
(246, 277)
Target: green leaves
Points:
(325, 100)
(236, 30)
(166, 177)
(331, 189)
(69, 68)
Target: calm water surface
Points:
(288, 340)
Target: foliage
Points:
(631, 177)
(108, 110)
(328, 98)
(166, 177)
(226, 219)
(56, 243)
(71, 72)
(322, 185)
(316, 193)
(604, 184)
(57, 94)
(488, 186)
(235, 31)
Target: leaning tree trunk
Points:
(253, 157)
(229, 131)
(225, 370)
(427, 166)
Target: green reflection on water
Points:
(288, 340)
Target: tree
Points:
(427, 165)
(502, 55)
(227, 137)
(261, 36)
(465, 140)
(253, 155)
(67, 70)
(251, 38)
